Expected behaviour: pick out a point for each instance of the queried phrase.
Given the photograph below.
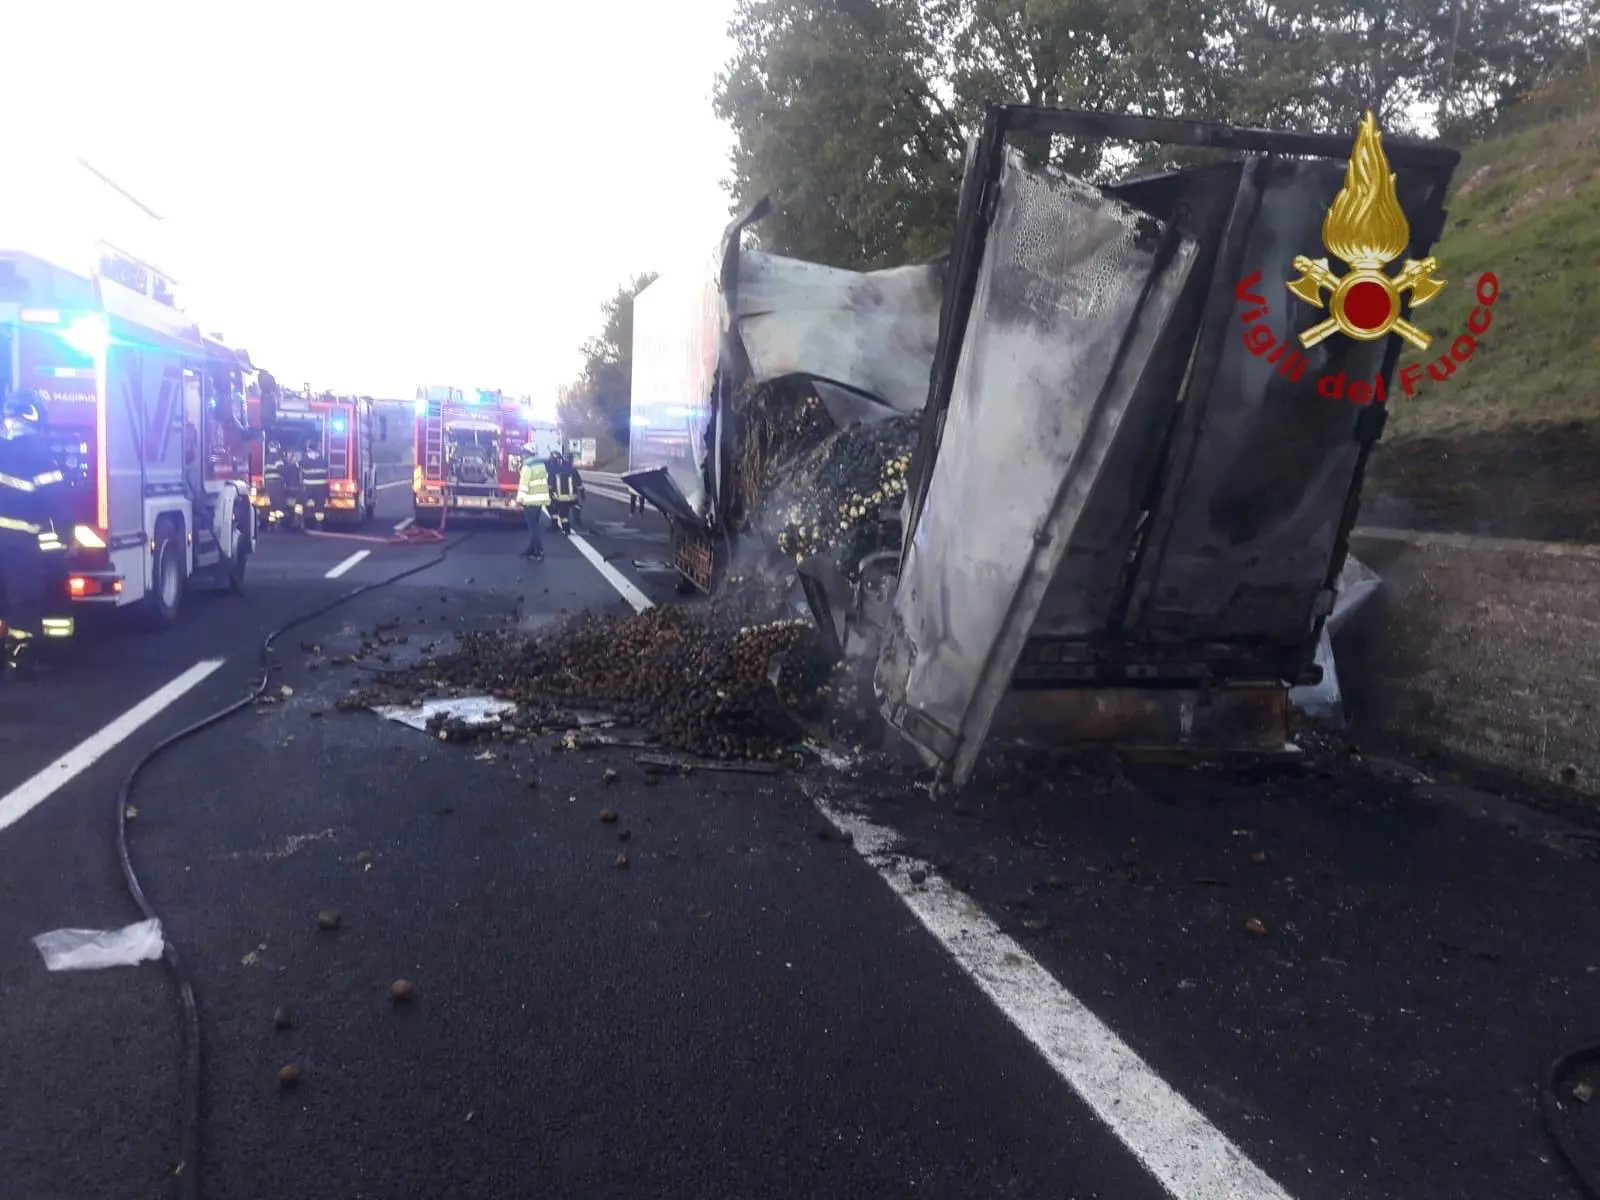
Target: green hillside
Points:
(1525, 205)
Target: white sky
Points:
(372, 197)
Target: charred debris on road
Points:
(735, 677)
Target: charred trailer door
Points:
(1128, 511)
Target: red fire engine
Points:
(147, 416)
(335, 429)
(469, 452)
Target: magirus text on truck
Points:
(147, 415)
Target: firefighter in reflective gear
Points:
(533, 493)
(272, 482)
(563, 492)
(293, 489)
(582, 494)
(314, 477)
(35, 512)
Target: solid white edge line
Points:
(340, 568)
(1190, 1157)
(611, 575)
(401, 526)
(28, 795)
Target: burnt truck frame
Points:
(1165, 571)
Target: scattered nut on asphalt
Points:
(283, 1019)
(621, 861)
(327, 919)
(401, 990)
(624, 834)
(289, 1076)
(608, 816)
(609, 775)
(363, 858)
(919, 876)
(532, 781)
(1260, 856)
(651, 779)
(1256, 926)
(1583, 1092)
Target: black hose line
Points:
(188, 1169)
(1555, 1120)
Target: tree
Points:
(854, 115)
(602, 395)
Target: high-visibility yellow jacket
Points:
(533, 488)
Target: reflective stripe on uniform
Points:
(13, 481)
(20, 526)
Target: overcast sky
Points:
(373, 197)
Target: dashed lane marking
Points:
(1190, 1157)
(610, 574)
(394, 483)
(402, 526)
(340, 568)
(29, 795)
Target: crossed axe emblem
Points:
(1365, 303)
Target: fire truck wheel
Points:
(236, 567)
(166, 575)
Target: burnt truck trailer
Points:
(1129, 506)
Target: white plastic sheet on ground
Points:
(92, 949)
(1324, 701)
(469, 710)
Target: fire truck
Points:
(336, 428)
(148, 417)
(469, 452)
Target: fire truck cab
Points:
(469, 452)
(147, 416)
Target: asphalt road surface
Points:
(798, 986)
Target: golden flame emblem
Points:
(1368, 230)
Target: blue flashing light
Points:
(338, 424)
(87, 335)
(422, 404)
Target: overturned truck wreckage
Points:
(1127, 506)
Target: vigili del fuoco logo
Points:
(1367, 230)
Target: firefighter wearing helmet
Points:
(34, 521)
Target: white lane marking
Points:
(1189, 1156)
(335, 571)
(1192, 1159)
(383, 487)
(611, 575)
(608, 493)
(30, 794)
(404, 525)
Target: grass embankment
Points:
(1509, 446)
(1526, 206)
